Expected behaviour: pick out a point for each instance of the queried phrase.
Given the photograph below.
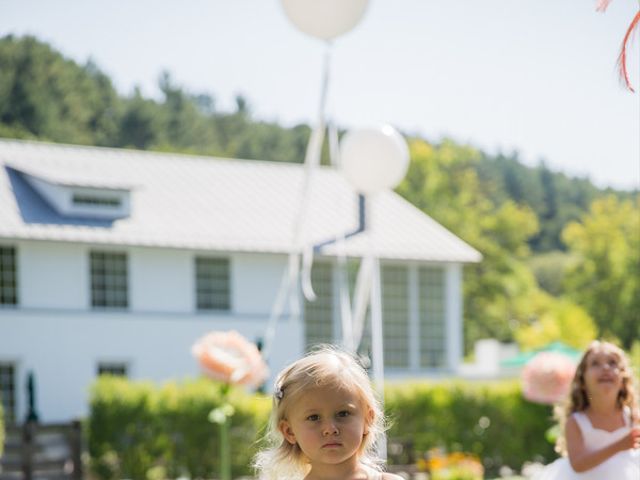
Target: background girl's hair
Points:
(578, 399)
(324, 366)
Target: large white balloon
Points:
(374, 159)
(325, 19)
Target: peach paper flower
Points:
(231, 358)
(547, 377)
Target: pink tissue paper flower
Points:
(231, 358)
(547, 377)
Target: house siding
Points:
(55, 333)
(183, 207)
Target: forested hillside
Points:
(561, 255)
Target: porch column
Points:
(453, 316)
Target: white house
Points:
(118, 260)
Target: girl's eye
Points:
(313, 418)
(344, 413)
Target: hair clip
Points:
(279, 394)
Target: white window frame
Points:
(417, 327)
(427, 322)
(213, 290)
(394, 318)
(109, 289)
(116, 368)
(11, 414)
(325, 289)
(9, 288)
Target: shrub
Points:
(141, 431)
(489, 420)
(454, 466)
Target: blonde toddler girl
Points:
(325, 422)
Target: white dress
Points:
(622, 466)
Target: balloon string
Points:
(286, 284)
(312, 160)
(287, 288)
(361, 298)
(342, 273)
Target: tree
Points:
(558, 320)
(52, 98)
(185, 128)
(443, 182)
(606, 278)
(139, 126)
(549, 269)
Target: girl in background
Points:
(325, 422)
(601, 431)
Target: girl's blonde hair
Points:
(579, 399)
(326, 367)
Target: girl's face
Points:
(328, 425)
(603, 373)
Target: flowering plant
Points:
(546, 378)
(231, 359)
(453, 466)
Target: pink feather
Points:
(601, 5)
(622, 58)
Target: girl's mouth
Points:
(605, 380)
(332, 445)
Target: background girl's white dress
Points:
(622, 466)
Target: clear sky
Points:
(537, 77)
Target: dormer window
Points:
(94, 200)
(72, 195)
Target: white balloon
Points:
(325, 19)
(374, 159)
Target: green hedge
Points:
(141, 431)
(491, 420)
(144, 431)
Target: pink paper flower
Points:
(229, 357)
(547, 377)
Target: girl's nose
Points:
(330, 429)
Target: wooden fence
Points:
(34, 451)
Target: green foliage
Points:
(549, 268)
(45, 96)
(634, 359)
(555, 198)
(558, 320)
(606, 279)
(443, 182)
(503, 208)
(141, 431)
(472, 418)
(139, 123)
(122, 429)
(52, 98)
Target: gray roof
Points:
(212, 204)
